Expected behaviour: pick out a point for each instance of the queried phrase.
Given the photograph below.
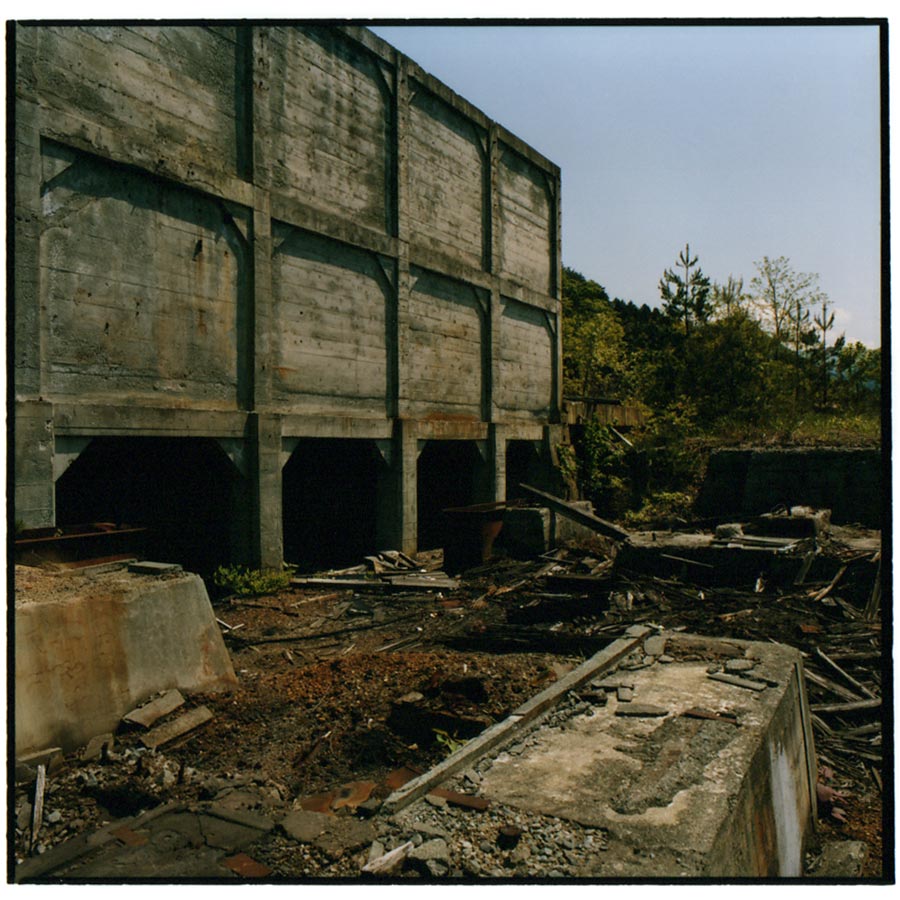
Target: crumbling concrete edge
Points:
(516, 721)
(41, 867)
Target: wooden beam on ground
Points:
(857, 706)
(37, 811)
(845, 675)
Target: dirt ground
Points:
(339, 689)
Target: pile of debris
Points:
(352, 681)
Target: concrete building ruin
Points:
(279, 293)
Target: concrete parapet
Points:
(91, 647)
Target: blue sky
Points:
(744, 141)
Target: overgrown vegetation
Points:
(245, 582)
(715, 365)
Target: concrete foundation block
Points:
(681, 796)
(530, 531)
(91, 648)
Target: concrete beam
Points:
(324, 426)
(97, 420)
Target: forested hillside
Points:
(713, 364)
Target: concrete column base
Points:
(89, 648)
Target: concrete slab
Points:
(701, 558)
(89, 648)
(678, 795)
(334, 835)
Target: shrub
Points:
(246, 582)
(661, 507)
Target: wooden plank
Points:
(175, 729)
(395, 583)
(845, 675)
(829, 685)
(857, 706)
(873, 606)
(571, 511)
(146, 715)
(821, 595)
(37, 815)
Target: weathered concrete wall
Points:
(145, 285)
(525, 389)
(750, 482)
(527, 203)
(445, 346)
(769, 825)
(448, 190)
(331, 114)
(325, 365)
(264, 233)
(99, 646)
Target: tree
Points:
(778, 293)
(824, 321)
(686, 298)
(857, 378)
(729, 299)
(728, 359)
(595, 361)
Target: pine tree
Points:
(686, 298)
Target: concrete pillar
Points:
(397, 524)
(35, 499)
(399, 349)
(263, 429)
(556, 291)
(30, 322)
(497, 443)
(552, 439)
(493, 200)
(264, 436)
(484, 475)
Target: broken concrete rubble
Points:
(144, 716)
(255, 712)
